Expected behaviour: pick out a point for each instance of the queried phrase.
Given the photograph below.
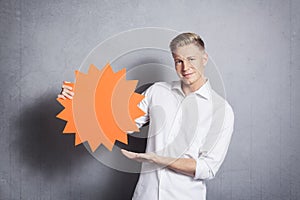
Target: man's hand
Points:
(185, 166)
(66, 91)
(140, 157)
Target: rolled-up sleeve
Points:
(208, 163)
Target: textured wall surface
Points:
(255, 44)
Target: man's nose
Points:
(186, 65)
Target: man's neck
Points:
(187, 89)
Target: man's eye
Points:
(178, 61)
(190, 59)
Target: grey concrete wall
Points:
(255, 44)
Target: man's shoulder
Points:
(159, 89)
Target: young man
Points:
(190, 128)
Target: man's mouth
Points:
(187, 75)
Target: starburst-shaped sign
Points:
(103, 108)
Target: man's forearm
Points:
(185, 166)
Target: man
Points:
(190, 128)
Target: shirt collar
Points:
(204, 91)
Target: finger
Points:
(129, 154)
(67, 87)
(68, 92)
(61, 96)
(67, 95)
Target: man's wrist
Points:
(155, 158)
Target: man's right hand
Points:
(66, 91)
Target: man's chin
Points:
(186, 81)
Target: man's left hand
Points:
(140, 157)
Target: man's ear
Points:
(204, 58)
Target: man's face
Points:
(189, 63)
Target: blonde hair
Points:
(186, 39)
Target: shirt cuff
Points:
(203, 171)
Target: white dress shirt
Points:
(198, 126)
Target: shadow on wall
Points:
(49, 154)
(42, 145)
